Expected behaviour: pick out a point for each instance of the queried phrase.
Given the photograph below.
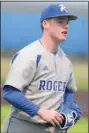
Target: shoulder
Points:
(69, 61)
(65, 56)
(31, 49)
(29, 52)
(68, 57)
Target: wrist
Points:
(39, 112)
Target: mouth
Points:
(64, 32)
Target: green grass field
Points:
(80, 70)
(80, 127)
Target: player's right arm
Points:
(21, 73)
(18, 100)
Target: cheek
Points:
(55, 30)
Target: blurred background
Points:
(20, 25)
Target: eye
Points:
(60, 21)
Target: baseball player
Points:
(40, 85)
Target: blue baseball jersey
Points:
(42, 76)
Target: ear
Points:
(45, 24)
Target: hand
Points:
(51, 116)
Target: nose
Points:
(66, 25)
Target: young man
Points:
(39, 76)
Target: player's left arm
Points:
(69, 97)
(69, 108)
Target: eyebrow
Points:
(62, 18)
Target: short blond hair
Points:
(42, 28)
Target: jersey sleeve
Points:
(22, 71)
(71, 85)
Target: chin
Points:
(62, 39)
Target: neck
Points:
(49, 43)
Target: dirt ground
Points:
(81, 98)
